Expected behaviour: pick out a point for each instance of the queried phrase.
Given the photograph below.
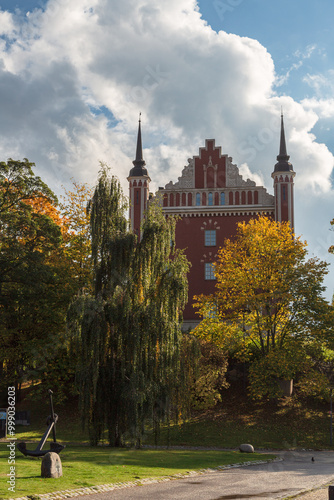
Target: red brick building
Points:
(210, 198)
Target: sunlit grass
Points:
(86, 466)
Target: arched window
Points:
(190, 200)
(237, 198)
(198, 200)
(222, 198)
(250, 198)
(171, 200)
(210, 199)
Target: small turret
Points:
(139, 163)
(283, 164)
(139, 181)
(283, 176)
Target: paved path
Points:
(294, 475)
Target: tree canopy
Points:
(29, 234)
(40, 271)
(268, 304)
(128, 332)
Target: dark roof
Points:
(283, 164)
(139, 163)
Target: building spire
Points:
(282, 149)
(283, 164)
(139, 184)
(139, 163)
(139, 152)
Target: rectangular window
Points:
(198, 199)
(210, 199)
(222, 198)
(209, 271)
(210, 238)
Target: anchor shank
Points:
(45, 437)
(52, 417)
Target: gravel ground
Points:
(320, 494)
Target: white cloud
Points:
(301, 57)
(321, 83)
(324, 108)
(190, 83)
(7, 27)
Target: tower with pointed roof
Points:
(139, 182)
(283, 176)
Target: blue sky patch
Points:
(103, 110)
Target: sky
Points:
(74, 76)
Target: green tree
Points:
(209, 380)
(28, 283)
(76, 238)
(128, 333)
(73, 267)
(268, 305)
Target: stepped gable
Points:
(213, 172)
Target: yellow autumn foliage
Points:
(267, 297)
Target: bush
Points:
(211, 378)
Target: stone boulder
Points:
(246, 448)
(51, 465)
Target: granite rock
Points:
(51, 465)
(246, 448)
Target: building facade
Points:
(210, 198)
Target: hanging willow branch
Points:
(129, 334)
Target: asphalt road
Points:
(295, 474)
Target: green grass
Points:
(85, 466)
(287, 423)
(230, 434)
(281, 425)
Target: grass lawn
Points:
(85, 466)
(284, 424)
(287, 423)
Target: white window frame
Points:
(210, 238)
(209, 274)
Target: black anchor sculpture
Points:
(54, 446)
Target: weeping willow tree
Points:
(128, 334)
